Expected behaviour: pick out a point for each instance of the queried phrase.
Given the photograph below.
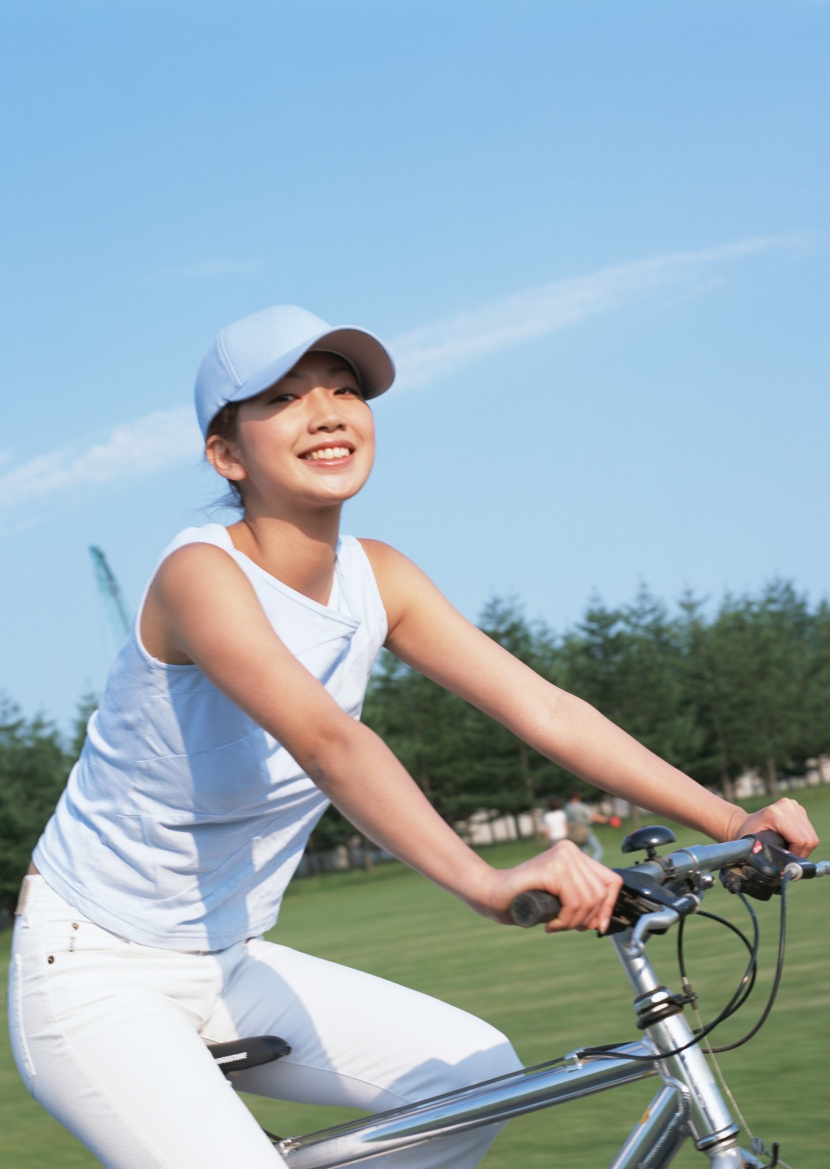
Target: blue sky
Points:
(594, 234)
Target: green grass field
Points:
(549, 995)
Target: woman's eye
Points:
(286, 397)
(351, 391)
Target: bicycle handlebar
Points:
(754, 864)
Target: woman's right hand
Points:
(586, 889)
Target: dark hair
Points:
(223, 425)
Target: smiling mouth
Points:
(327, 453)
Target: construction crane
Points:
(108, 587)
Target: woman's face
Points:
(309, 439)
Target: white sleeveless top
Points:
(183, 821)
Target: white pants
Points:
(109, 1037)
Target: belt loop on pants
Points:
(25, 889)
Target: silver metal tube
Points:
(489, 1103)
(656, 1140)
(710, 1120)
(698, 858)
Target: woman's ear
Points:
(222, 456)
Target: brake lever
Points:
(761, 874)
(652, 923)
(642, 897)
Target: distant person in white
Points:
(229, 720)
(554, 822)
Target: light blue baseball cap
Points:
(250, 355)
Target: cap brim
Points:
(374, 366)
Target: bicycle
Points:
(657, 895)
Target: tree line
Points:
(743, 688)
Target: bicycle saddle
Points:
(248, 1053)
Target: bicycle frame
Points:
(688, 1105)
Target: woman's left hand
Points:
(786, 817)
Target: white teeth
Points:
(329, 452)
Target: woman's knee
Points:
(493, 1057)
(485, 1055)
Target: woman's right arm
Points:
(201, 608)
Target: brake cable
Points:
(747, 983)
(776, 982)
(613, 1050)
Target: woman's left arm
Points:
(427, 633)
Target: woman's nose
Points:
(324, 413)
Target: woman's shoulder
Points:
(407, 592)
(396, 575)
(192, 550)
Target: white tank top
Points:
(183, 821)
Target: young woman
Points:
(229, 721)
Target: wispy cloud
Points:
(447, 345)
(132, 450)
(169, 437)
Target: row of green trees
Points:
(35, 759)
(718, 693)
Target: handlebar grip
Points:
(534, 907)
